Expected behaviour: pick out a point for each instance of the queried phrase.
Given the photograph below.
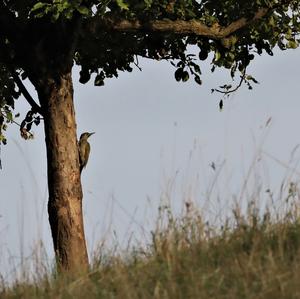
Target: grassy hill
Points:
(255, 256)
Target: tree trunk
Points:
(65, 192)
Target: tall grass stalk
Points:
(251, 252)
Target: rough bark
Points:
(65, 192)
(181, 27)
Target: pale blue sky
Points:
(156, 138)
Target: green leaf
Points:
(84, 76)
(292, 44)
(198, 80)
(9, 116)
(203, 55)
(250, 78)
(179, 74)
(122, 5)
(40, 9)
(99, 80)
(185, 76)
(221, 105)
(38, 6)
(217, 56)
(83, 10)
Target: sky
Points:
(155, 143)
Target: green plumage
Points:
(84, 149)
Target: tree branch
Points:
(216, 31)
(26, 94)
(232, 90)
(178, 26)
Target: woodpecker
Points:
(84, 149)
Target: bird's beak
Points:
(90, 134)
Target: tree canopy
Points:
(106, 37)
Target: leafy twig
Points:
(227, 88)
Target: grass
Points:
(255, 256)
(254, 252)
